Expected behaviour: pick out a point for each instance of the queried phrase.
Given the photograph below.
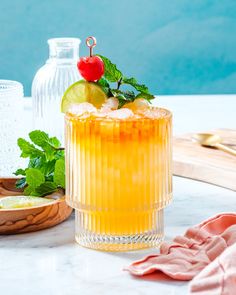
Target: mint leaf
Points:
(122, 102)
(59, 174)
(118, 93)
(28, 149)
(34, 177)
(21, 183)
(49, 153)
(123, 96)
(129, 95)
(133, 82)
(19, 172)
(45, 188)
(48, 170)
(39, 138)
(42, 139)
(54, 142)
(28, 190)
(146, 96)
(112, 74)
(37, 162)
(49, 145)
(59, 155)
(46, 167)
(103, 83)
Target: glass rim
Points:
(10, 85)
(167, 114)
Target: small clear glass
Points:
(11, 123)
(50, 83)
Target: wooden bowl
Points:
(22, 220)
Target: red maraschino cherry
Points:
(91, 67)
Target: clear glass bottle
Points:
(50, 83)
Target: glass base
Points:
(116, 243)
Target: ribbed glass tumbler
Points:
(119, 179)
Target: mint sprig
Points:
(113, 75)
(45, 173)
(133, 82)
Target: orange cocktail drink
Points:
(119, 177)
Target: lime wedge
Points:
(13, 202)
(83, 91)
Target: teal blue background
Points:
(174, 46)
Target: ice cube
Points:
(153, 113)
(110, 104)
(100, 114)
(80, 109)
(137, 105)
(120, 114)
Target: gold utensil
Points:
(212, 140)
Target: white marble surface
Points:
(51, 263)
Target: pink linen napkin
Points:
(190, 254)
(219, 277)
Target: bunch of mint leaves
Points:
(45, 173)
(113, 75)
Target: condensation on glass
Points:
(50, 83)
(11, 125)
(119, 179)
